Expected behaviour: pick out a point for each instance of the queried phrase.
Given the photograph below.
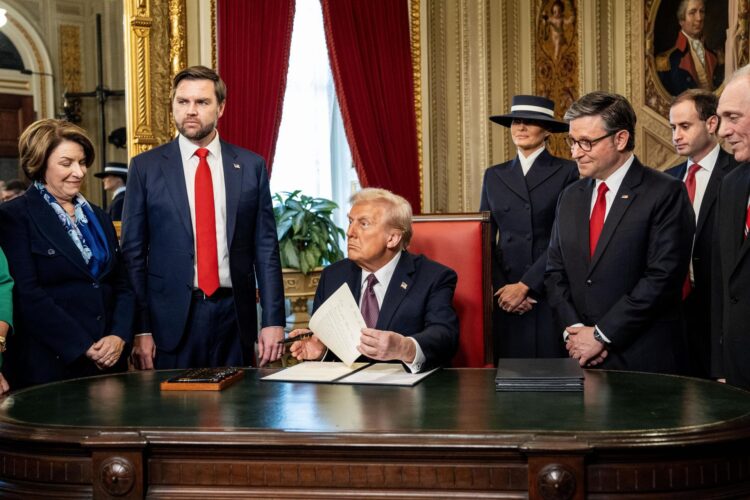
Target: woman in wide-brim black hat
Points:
(521, 194)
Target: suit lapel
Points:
(712, 189)
(400, 284)
(108, 241)
(233, 171)
(512, 176)
(174, 178)
(623, 199)
(739, 214)
(542, 169)
(581, 215)
(354, 280)
(52, 229)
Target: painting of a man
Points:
(690, 63)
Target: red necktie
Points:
(596, 223)
(205, 226)
(747, 221)
(687, 287)
(369, 305)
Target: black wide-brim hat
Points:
(114, 168)
(531, 107)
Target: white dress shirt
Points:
(702, 176)
(613, 184)
(384, 275)
(215, 164)
(527, 162)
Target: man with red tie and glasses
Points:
(406, 300)
(694, 125)
(620, 247)
(198, 232)
(731, 276)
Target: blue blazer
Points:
(698, 304)
(631, 287)
(417, 304)
(523, 210)
(60, 308)
(158, 243)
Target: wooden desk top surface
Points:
(615, 405)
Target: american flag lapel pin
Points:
(236, 165)
(625, 197)
(404, 285)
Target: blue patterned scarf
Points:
(86, 233)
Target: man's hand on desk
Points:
(582, 346)
(144, 351)
(269, 348)
(310, 348)
(386, 346)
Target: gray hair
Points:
(398, 210)
(615, 111)
(682, 9)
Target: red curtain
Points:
(370, 52)
(254, 37)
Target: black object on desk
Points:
(542, 375)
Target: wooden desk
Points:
(628, 435)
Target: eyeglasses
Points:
(586, 144)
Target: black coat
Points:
(523, 210)
(59, 308)
(698, 303)
(631, 288)
(114, 210)
(731, 280)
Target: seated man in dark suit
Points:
(406, 299)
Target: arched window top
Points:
(9, 56)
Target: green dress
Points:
(6, 294)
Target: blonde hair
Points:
(398, 211)
(42, 137)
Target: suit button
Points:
(527, 206)
(589, 283)
(95, 285)
(733, 300)
(98, 318)
(528, 237)
(506, 208)
(51, 251)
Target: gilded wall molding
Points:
(38, 60)
(70, 57)
(214, 50)
(155, 51)
(416, 61)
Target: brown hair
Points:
(614, 110)
(705, 102)
(200, 73)
(42, 137)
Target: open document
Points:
(358, 373)
(338, 323)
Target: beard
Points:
(199, 134)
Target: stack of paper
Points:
(543, 375)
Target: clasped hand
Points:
(514, 298)
(106, 351)
(582, 345)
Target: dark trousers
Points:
(212, 336)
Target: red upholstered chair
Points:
(462, 242)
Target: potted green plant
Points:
(308, 239)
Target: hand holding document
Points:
(338, 323)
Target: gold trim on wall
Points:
(416, 62)
(37, 59)
(155, 51)
(70, 57)
(214, 50)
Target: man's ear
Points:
(712, 123)
(621, 140)
(394, 239)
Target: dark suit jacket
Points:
(677, 70)
(698, 303)
(60, 308)
(417, 304)
(731, 280)
(158, 243)
(114, 210)
(631, 287)
(523, 210)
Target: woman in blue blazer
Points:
(72, 306)
(522, 194)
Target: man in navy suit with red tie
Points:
(620, 247)
(694, 125)
(198, 232)
(405, 299)
(731, 271)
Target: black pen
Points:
(295, 339)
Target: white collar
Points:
(188, 149)
(709, 161)
(615, 179)
(384, 274)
